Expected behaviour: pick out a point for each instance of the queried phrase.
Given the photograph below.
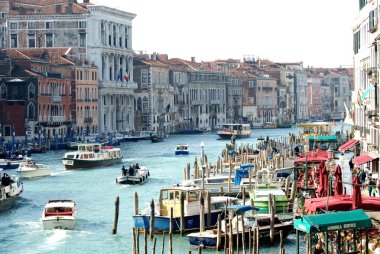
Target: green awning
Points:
(333, 221)
(324, 138)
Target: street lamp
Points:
(306, 150)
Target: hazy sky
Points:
(317, 32)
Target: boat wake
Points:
(56, 238)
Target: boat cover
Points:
(241, 209)
(239, 174)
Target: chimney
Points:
(154, 56)
(193, 59)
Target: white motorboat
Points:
(182, 149)
(59, 214)
(10, 189)
(30, 169)
(135, 175)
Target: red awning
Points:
(364, 158)
(350, 143)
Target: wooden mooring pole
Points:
(151, 221)
(116, 218)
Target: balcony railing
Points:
(56, 98)
(57, 118)
(88, 120)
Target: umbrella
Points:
(338, 186)
(323, 180)
(356, 195)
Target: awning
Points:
(350, 143)
(364, 158)
(324, 138)
(333, 221)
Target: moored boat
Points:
(260, 197)
(30, 169)
(12, 163)
(59, 214)
(234, 129)
(135, 175)
(170, 198)
(92, 155)
(10, 190)
(208, 238)
(182, 149)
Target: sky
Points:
(316, 32)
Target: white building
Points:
(109, 45)
(366, 93)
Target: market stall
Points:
(339, 232)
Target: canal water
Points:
(95, 191)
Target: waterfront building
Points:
(366, 93)
(235, 99)
(97, 34)
(18, 99)
(154, 96)
(340, 93)
(266, 95)
(314, 96)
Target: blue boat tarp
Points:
(247, 165)
(241, 209)
(239, 174)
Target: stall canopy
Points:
(324, 138)
(349, 144)
(333, 221)
(364, 158)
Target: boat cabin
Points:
(59, 207)
(171, 198)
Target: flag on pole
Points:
(366, 92)
(348, 119)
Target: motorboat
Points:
(59, 214)
(135, 175)
(30, 169)
(170, 198)
(92, 155)
(235, 130)
(10, 190)
(182, 149)
(260, 196)
(242, 224)
(12, 163)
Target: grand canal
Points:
(95, 190)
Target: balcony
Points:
(57, 119)
(88, 120)
(56, 98)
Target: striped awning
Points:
(349, 144)
(364, 158)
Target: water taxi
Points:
(234, 129)
(10, 190)
(30, 169)
(171, 198)
(135, 175)
(92, 155)
(182, 149)
(59, 214)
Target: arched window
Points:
(31, 111)
(145, 103)
(139, 104)
(3, 92)
(31, 91)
